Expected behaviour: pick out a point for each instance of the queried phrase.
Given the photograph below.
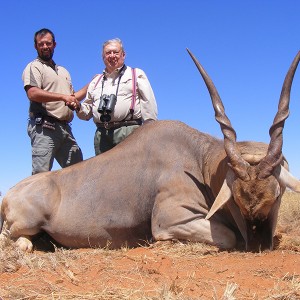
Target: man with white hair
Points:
(120, 99)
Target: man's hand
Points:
(72, 102)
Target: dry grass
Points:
(63, 265)
(289, 221)
(64, 278)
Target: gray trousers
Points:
(48, 144)
(106, 139)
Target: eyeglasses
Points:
(112, 52)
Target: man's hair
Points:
(115, 40)
(43, 32)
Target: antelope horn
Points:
(236, 162)
(274, 154)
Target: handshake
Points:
(72, 102)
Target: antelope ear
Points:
(224, 194)
(288, 179)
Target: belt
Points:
(47, 118)
(53, 120)
(118, 124)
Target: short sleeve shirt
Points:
(40, 74)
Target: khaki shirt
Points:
(145, 105)
(58, 80)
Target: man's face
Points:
(45, 46)
(113, 56)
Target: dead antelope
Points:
(165, 181)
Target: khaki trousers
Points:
(48, 144)
(106, 139)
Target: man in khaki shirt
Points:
(132, 94)
(52, 101)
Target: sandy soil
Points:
(160, 271)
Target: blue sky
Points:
(245, 46)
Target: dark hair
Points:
(42, 32)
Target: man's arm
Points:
(79, 95)
(148, 101)
(38, 95)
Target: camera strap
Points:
(122, 71)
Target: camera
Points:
(106, 106)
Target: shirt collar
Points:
(50, 63)
(114, 73)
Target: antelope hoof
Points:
(24, 244)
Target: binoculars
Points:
(106, 106)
